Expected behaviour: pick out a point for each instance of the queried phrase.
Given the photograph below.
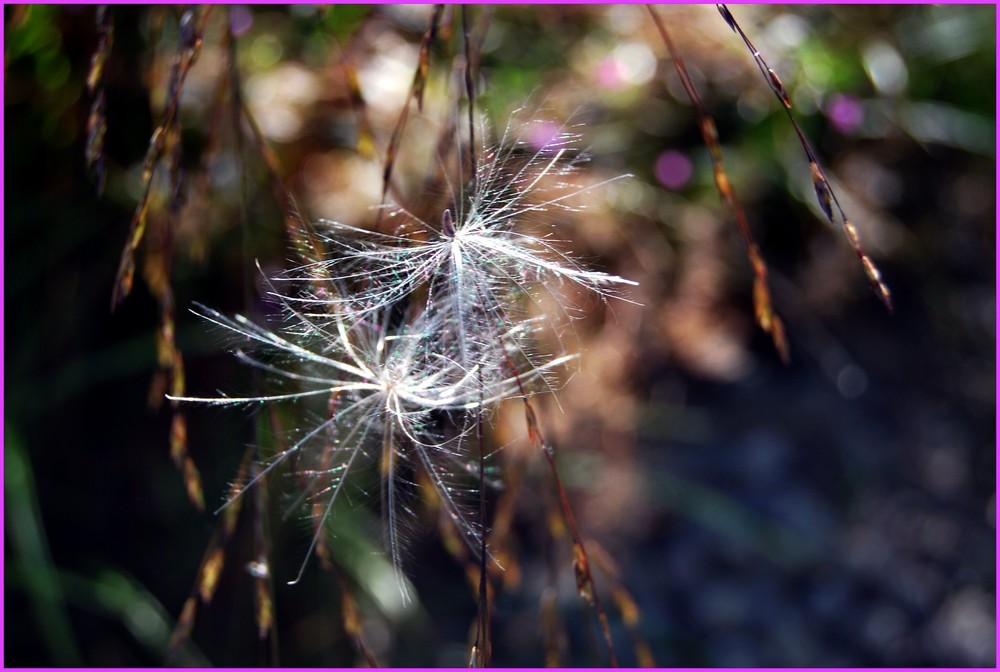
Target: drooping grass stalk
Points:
(470, 95)
(164, 150)
(581, 563)
(625, 603)
(212, 562)
(825, 194)
(416, 94)
(352, 622)
(481, 648)
(191, 34)
(764, 312)
(97, 122)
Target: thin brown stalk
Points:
(158, 275)
(353, 624)
(502, 525)
(416, 93)
(159, 259)
(825, 194)
(189, 47)
(553, 636)
(581, 563)
(481, 648)
(260, 571)
(300, 231)
(306, 244)
(97, 123)
(158, 271)
(626, 604)
(470, 94)
(365, 144)
(207, 578)
(267, 631)
(764, 313)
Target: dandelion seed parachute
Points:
(479, 261)
(391, 385)
(401, 385)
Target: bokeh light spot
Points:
(241, 19)
(541, 134)
(266, 50)
(845, 112)
(673, 169)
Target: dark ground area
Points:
(837, 511)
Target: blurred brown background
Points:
(838, 511)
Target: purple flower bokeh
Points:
(845, 112)
(241, 19)
(541, 134)
(673, 169)
(609, 74)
